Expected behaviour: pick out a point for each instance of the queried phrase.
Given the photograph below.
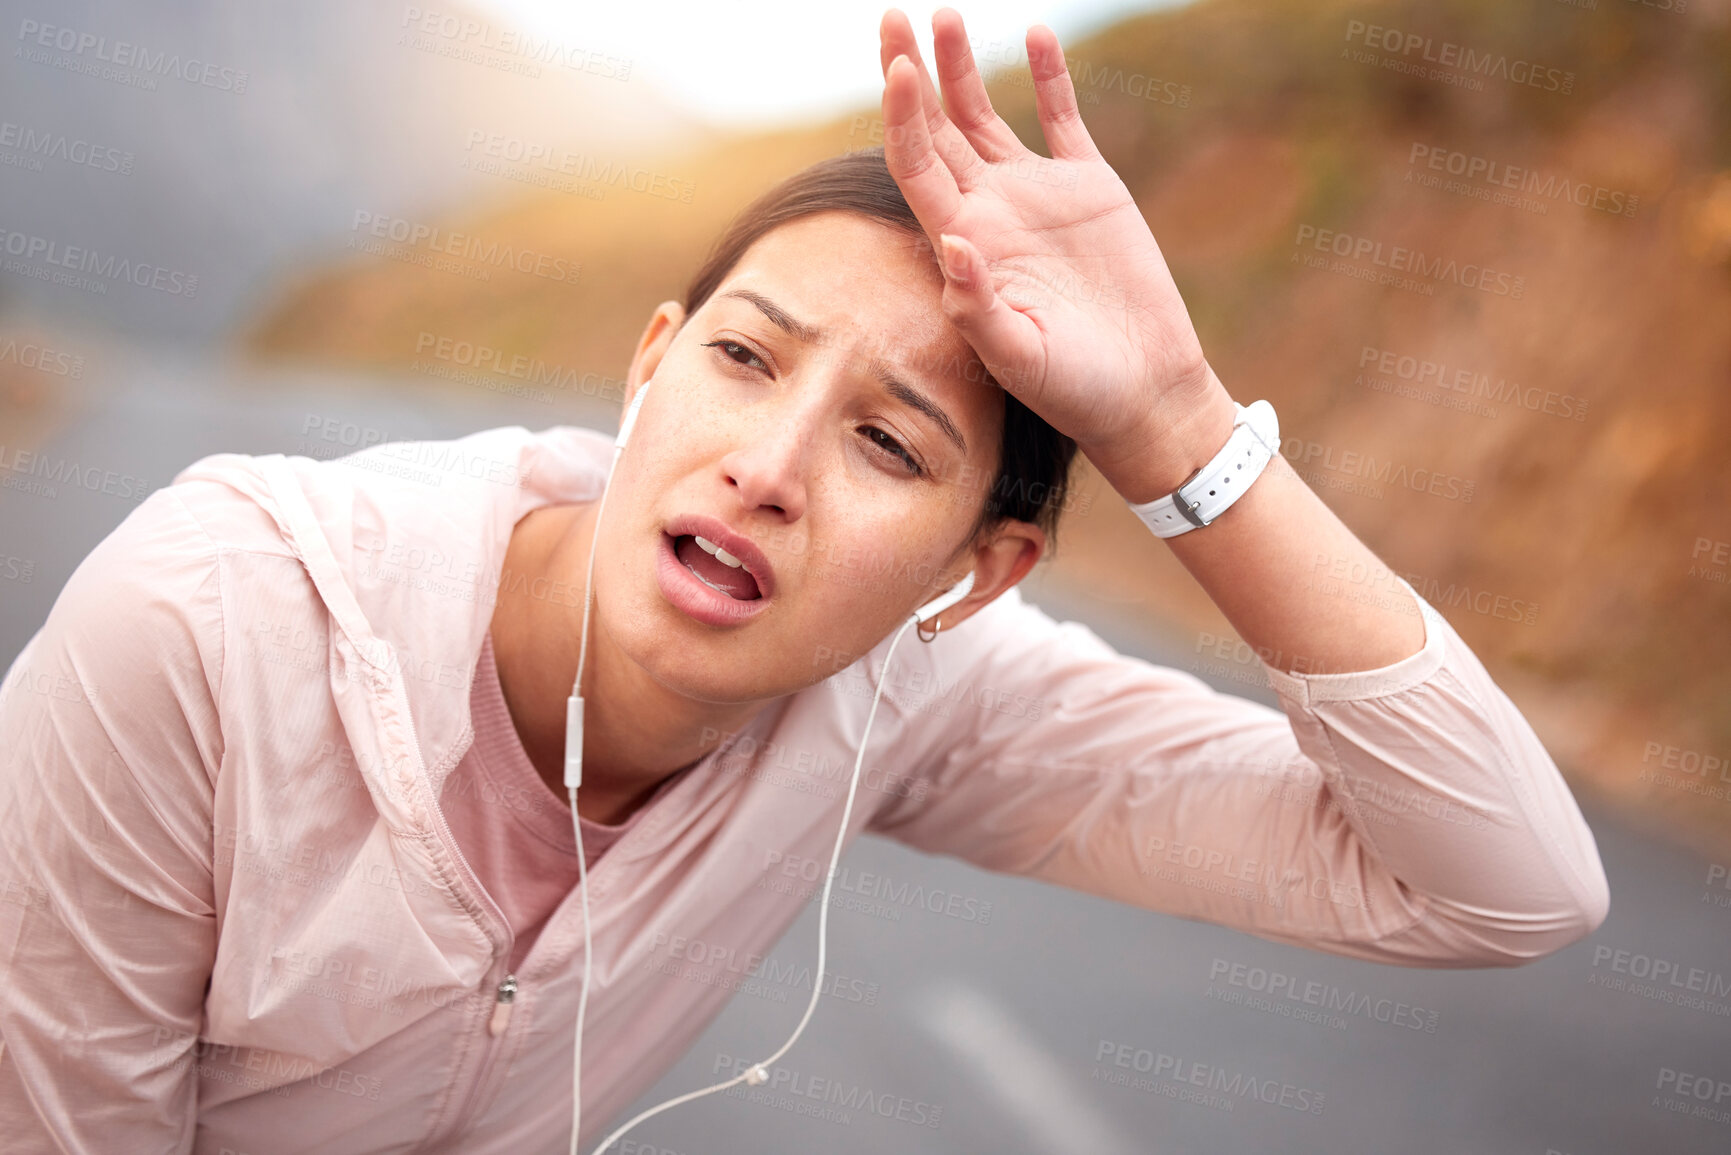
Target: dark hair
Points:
(1034, 459)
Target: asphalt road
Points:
(991, 1027)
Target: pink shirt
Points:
(234, 913)
(514, 831)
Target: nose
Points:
(768, 469)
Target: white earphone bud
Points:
(630, 418)
(945, 600)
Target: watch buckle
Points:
(1186, 507)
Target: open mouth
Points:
(716, 568)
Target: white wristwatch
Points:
(1254, 442)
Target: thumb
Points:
(974, 307)
(968, 292)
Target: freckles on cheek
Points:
(863, 578)
(688, 434)
(842, 622)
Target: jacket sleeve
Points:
(109, 747)
(1404, 815)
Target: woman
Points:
(281, 786)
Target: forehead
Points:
(872, 288)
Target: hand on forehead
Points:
(855, 290)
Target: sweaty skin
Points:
(785, 437)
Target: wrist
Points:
(1175, 442)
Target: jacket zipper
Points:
(502, 1006)
(505, 994)
(504, 997)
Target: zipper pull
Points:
(502, 1008)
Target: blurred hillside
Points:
(330, 108)
(1583, 402)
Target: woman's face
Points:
(821, 417)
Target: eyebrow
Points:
(897, 388)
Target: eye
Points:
(894, 447)
(728, 349)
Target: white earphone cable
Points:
(576, 822)
(758, 1072)
(582, 999)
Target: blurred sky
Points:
(757, 63)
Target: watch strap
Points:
(1254, 442)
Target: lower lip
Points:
(688, 593)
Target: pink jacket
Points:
(235, 919)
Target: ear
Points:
(999, 562)
(663, 324)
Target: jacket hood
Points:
(383, 528)
(403, 544)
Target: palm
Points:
(1064, 294)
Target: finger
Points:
(970, 107)
(1055, 98)
(925, 180)
(1001, 336)
(897, 39)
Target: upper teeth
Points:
(710, 547)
